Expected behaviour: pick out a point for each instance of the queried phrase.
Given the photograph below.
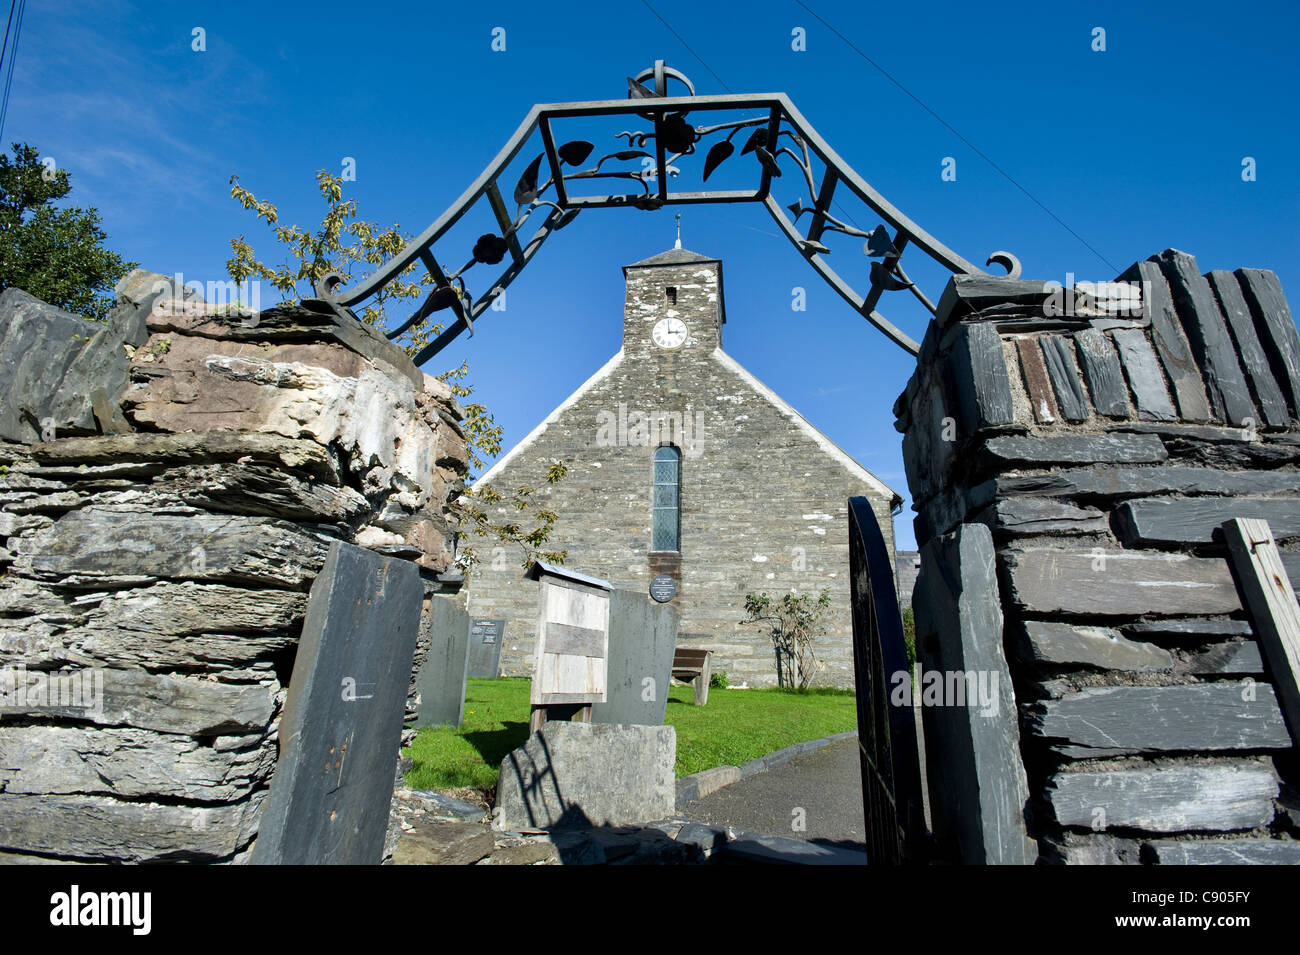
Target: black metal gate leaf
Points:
(891, 772)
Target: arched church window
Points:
(666, 529)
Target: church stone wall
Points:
(763, 503)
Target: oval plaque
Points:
(663, 588)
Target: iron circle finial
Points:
(662, 73)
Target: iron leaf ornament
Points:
(576, 152)
(490, 248)
(526, 190)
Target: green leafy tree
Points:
(352, 248)
(52, 252)
(794, 622)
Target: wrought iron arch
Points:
(671, 138)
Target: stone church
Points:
(682, 463)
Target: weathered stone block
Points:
(167, 704)
(94, 542)
(1142, 482)
(38, 343)
(102, 828)
(588, 774)
(1193, 718)
(127, 762)
(1221, 797)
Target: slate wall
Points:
(170, 483)
(1102, 446)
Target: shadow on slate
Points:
(342, 723)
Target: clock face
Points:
(669, 332)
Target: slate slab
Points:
(1048, 580)
(980, 378)
(1225, 384)
(1101, 369)
(1171, 341)
(1140, 482)
(1241, 658)
(1065, 644)
(1225, 852)
(1026, 515)
(1251, 352)
(1236, 795)
(485, 640)
(1014, 451)
(1176, 520)
(342, 724)
(1195, 718)
(1066, 380)
(642, 640)
(441, 680)
(978, 803)
(1277, 329)
(1144, 376)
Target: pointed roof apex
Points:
(671, 257)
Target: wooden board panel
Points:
(572, 644)
(1273, 608)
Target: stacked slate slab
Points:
(171, 483)
(1099, 451)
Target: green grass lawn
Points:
(736, 726)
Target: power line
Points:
(687, 45)
(11, 52)
(1006, 175)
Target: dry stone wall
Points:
(170, 482)
(1097, 447)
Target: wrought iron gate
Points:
(891, 772)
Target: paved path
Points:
(826, 785)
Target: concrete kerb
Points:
(698, 785)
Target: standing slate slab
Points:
(1144, 375)
(1102, 371)
(441, 682)
(1234, 307)
(980, 378)
(485, 639)
(1208, 333)
(1277, 329)
(1034, 374)
(1063, 371)
(642, 640)
(978, 800)
(1170, 341)
(342, 722)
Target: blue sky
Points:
(1137, 148)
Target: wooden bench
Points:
(694, 666)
